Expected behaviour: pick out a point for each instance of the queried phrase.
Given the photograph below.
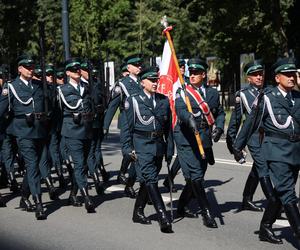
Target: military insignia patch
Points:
(237, 99)
(4, 91)
(126, 105)
(117, 90)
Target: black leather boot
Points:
(25, 203)
(129, 190)
(98, 185)
(164, 222)
(14, 186)
(53, 191)
(200, 194)
(140, 203)
(3, 177)
(89, 205)
(293, 215)
(268, 190)
(2, 202)
(123, 170)
(184, 199)
(265, 231)
(39, 210)
(73, 199)
(249, 190)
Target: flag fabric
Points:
(168, 79)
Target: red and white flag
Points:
(168, 79)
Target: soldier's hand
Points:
(239, 155)
(133, 155)
(192, 124)
(229, 144)
(216, 134)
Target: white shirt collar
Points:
(133, 78)
(24, 81)
(282, 92)
(75, 84)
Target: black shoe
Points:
(74, 201)
(266, 234)
(26, 205)
(185, 212)
(208, 220)
(129, 191)
(53, 191)
(139, 216)
(89, 205)
(167, 186)
(39, 210)
(122, 178)
(165, 225)
(249, 205)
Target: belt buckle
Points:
(153, 135)
(292, 138)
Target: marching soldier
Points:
(206, 109)
(277, 110)
(243, 105)
(149, 126)
(95, 92)
(77, 129)
(128, 86)
(25, 98)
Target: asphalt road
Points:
(111, 227)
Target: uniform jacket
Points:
(76, 104)
(19, 126)
(141, 116)
(243, 105)
(183, 132)
(276, 117)
(123, 89)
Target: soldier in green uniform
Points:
(148, 117)
(25, 98)
(244, 100)
(93, 160)
(277, 110)
(126, 87)
(203, 116)
(77, 130)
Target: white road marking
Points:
(282, 223)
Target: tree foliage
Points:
(116, 28)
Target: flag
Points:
(168, 79)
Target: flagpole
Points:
(166, 31)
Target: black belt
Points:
(149, 134)
(38, 116)
(291, 138)
(87, 116)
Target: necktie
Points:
(289, 99)
(152, 101)
(78, 88)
